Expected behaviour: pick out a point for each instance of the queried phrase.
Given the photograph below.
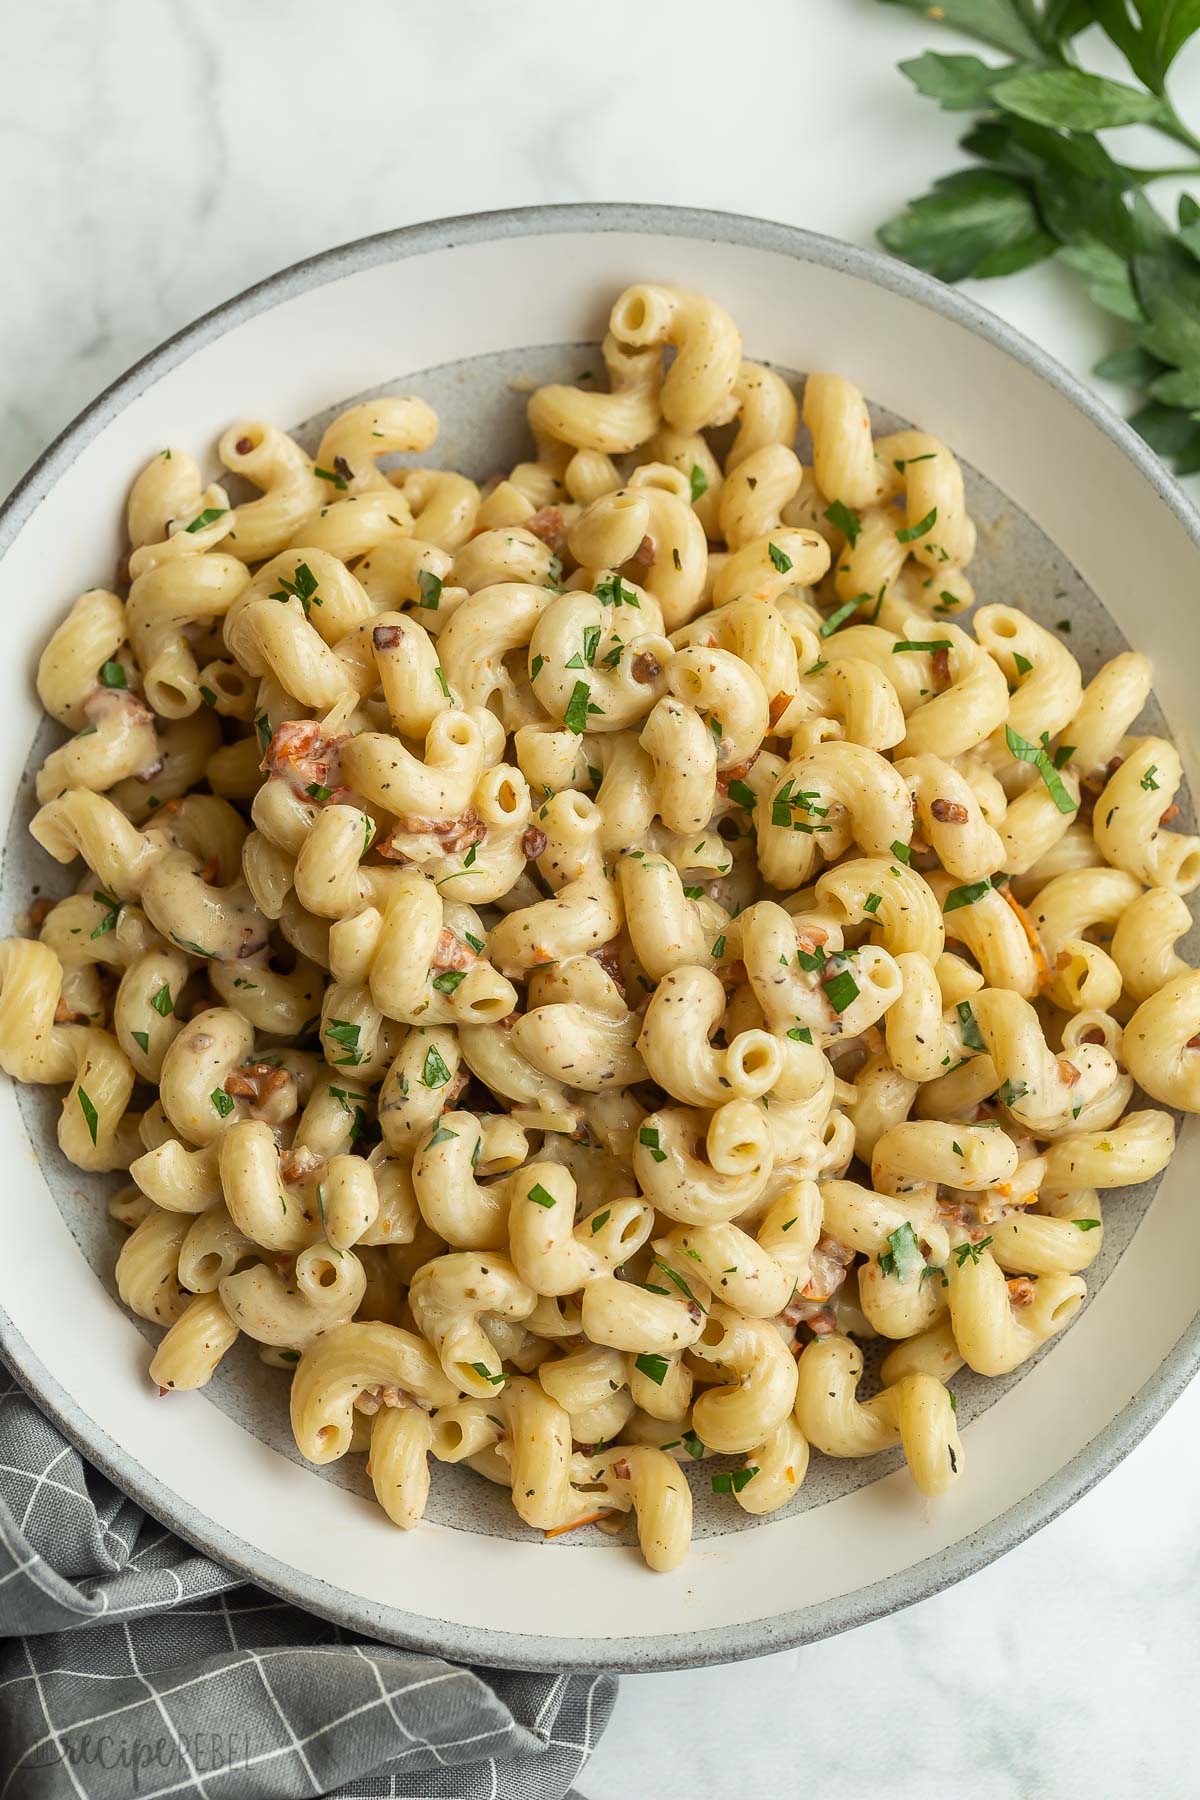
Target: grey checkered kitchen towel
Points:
(132, 1667)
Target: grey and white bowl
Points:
(1078, 521)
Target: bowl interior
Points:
(1057, 502)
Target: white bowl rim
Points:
(754, 1637)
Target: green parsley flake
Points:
(841, 990)
(904, 1259)
(435, 1074)
(429, 586)
(162, 1002)
(845, 521)
(648, 1136)
(209, 516)
(223, 1102)
(448, 980)
(539, 1196)
(909, 533)
(779, 560)
(601, 1220)
(965, 896)
(345, 1035)
(699, 482)
(653, 1367)
(733, 1480)
(89, 1112)
(112, 675)
(575, 717)
(1040, 757)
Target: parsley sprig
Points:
(1041, 184)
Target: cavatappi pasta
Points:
(548, 954)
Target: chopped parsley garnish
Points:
(142, 1039)
(591, 639)
(801, 1033)
(601, 1220)
(207, 695)
(302, 587)
(613, 592)
(965, 896)
(692, 1445)
(113, 907)
(223, 1102)
(779, 560)
(162, 1002)
(718, 732)
(841, 613)
(539, 1196)
(698, 481)
(429, 586)
(1086, 1224)
(441, 1136)
(575, 717)
(449, 979)
(908, 533)
(536, 667)
(742, 795)
(900, 463)
(932, 645)
(89, 1112)
(732, 1481)
(482, 1370)
(345, 1035)
(845, 521)
(112, 675)
(1042, 761)
(901, 852)
(331, 475)
(653, 1367)
(962, 1251)
(435, 1074)
(679, 1282)
(442, 682)
(904, 1258)
(1023, 663)
(209, 516)
(262, 725)
(196, 949)
(648, 1136)
(872, 903)
(968, 1027)
(1009, 1092)
(476, 944)
(842, 990)
(316, 791)
(718, 948)
(1148, 781)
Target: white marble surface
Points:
(158, 155)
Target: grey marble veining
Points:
(158, 155)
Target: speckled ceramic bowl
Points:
(1079, 521)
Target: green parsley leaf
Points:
(742, 795)
(345, 1035)
(142, 1039)
(779, 560)
(841, 613)
(336, 480)
(1148, 782)
(223, 1102)
(901, 852)
(262, 725)
(1086, 1224)
(965, 896)
(932, 645)
(673, 1276)
(448, 980)
(162, 1002)
(968, 1027)
(699, 482)
(692, 1445)
(1024, 751)
(1023, 664)
(109, 921)
(801, 1034)
(648, 1136)
(429, 586)
(442, 682)
(653, 1367)
(91, 1117)
(302, 587)
(575, 717)
(441, 1136)
(845, 521)
(112, 675)
(317, 792)
(591, 638)
(1009, 1092)
(477, 944)
(539, 1196)
(485, 1374)
(733, 1480)
(613, 592)
(872, 903)
(718, 949)
(909, 533)
(209, 516)
(841, 990)
(435, 1074)
(962, 1251)
(536, 667)
(904, 1258)
(601, 1220)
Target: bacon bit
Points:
(810, 937)
(941, 667)
(533, 842)
(828, 1265)
(607, 958)
(451, 953)
(256, 1082)
(452, 834)
(163, 1391)
(244, 446)
(587, 1519)
(1031, 937)
(64, 1015)
(300, 754)
(1063, 960)
(455, 1088)
(738, 772)
(548, 524)
(40, 910)
(1068, 1074)
(949, 812)
(776, 710)
(1172, 812)
(645, 552)
(645, 667)
(295, 1164)
(387, 637)
(1021, 1291)
(620, 1469)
